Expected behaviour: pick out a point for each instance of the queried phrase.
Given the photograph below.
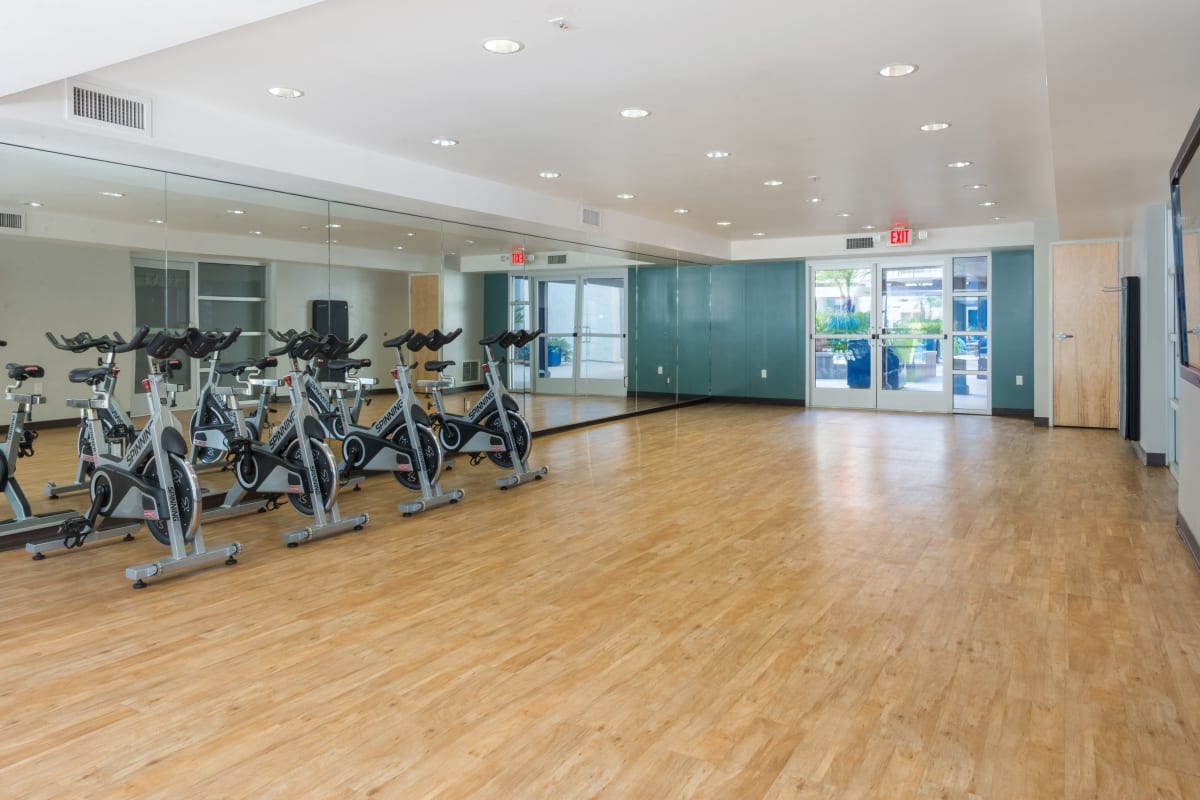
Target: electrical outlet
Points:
(668, 379)
(1020, 380)
(660, 370)
(764, 373)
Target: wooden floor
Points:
(720, 602)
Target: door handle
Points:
(1061, 336)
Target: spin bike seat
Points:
(438, 366)
(23, 372)
(88, 375)
(238, 367)
(348, 363)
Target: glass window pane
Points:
(842, 301)
(970, 353)
(556, 306)
(603, 358)
(970, 313)
(912, 299)
(225, 315)
(970, 392)
(970, 274)
(603, 305)
(913, 365)
(520, 288)
(232, 280)
(842, 363)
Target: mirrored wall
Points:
(94, 246)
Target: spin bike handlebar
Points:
(162, 346)
(335, 348)
(200, 344)
(84, 341)
(399, 341)
(438, 340)
(301, 346)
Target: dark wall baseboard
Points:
(760, 401)
(1020, 413)
(1188, 537)
(1149, 459)
(641, 412)
(1041, 422)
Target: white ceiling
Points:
(1066, 108)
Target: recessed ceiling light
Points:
(157, 221)
(256, 233)
(285, 92)
(931, 127)
(32, 204)
(549, 175)
(680, 210)
(334, 225)
(897, 70)
(451, 253)
(975, 186)
(717, 154)
(112, 194)
(868, 227)
(331, 241)
(759, 233)
(842, 214)
(304, 228)
(987, 203)
(410, 234)
(814, 177)
(958, 164)
(236, 211)
(815, 199)
(442, 141)
(503, 46)
(724, 222)
(773, 182)
(997, 219)
(470, 241)
(634, 113)
(624, 196)
(399, 247)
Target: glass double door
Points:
(583, 348)
(877, 336)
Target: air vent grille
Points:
(590, 216)
(860, 242)
(102, 107)
(557, 258)
(470, 372)
(12, 222)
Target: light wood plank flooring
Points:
(719, 602)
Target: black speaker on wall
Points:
(331, 316)
(1131, 358)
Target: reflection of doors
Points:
(1085, 327)
(583, 350)
(424, 315)
(878, 336)
(162, 298)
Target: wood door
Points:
(1085, 328)
(425, 314)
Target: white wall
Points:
(64, 288)
(462, 307)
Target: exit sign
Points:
(518, 257)
(901, 237)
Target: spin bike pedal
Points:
(239, 446)
(117, 434)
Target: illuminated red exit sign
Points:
(901, 236)
(518, 257)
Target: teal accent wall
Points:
(1012, 329)
(726, 322)
(495, 302)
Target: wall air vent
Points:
(12, 221)
(860, 242)
(470, 372)
(590, 216)
(556, 258)
(92, 105)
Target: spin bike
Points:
(401, 441)
(118, 430)
(330, 414)
(212, 423)
(503, 438)
(295, 461)
(26, 525)
(153, 481)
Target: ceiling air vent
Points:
(590, 216)
(470, 372)
(860, 242)
(12, 221)
(557, 258)
(92, 105)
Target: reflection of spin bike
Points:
(504, 439)
(153, 481)
(212, 422)
(25, 524)
(118, 430)
(332, 351)
(295, 462)
(401, 441)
